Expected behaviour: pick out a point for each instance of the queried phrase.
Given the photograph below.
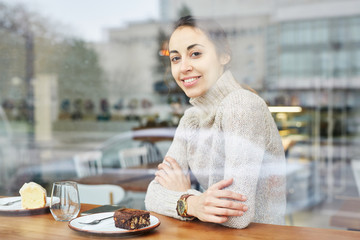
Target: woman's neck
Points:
(221, 88)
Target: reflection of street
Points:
(47, 162)
(53, 160)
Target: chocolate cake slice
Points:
(131, 219)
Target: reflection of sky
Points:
(88, 18)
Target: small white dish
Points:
(16, 209)
(107, 227)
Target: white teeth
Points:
(190, 80)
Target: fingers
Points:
(161, 181)
(217, 191)
(171, 176)
(162, 177)
(229, 194)
(220, 202)
(173, 163)
(165, 167)
(222, 184)
(215, 219)
(230, 205)
(224, 212)
(172, 169)
(161, 173)
(168, 172)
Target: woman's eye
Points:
(196, 54)
(174, 59)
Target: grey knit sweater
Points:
(229, 133)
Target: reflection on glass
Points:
(62, 94)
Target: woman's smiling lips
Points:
(190, 81)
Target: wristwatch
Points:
(182, 206)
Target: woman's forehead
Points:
(186, 35)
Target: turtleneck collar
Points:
(212, 98)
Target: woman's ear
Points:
(225, 59)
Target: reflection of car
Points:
(157, 140)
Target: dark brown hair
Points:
(211, 28)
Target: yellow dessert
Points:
(32, 196)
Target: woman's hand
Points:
(217, 205)
(172, 176)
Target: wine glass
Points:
(65, 201)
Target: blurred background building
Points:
(62, 94)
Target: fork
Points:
(96, 221)
(10, 203)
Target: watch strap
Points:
(183, 198)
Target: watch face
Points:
(180, 207)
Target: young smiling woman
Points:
(228, 139)
(195, 64)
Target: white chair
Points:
(355, 165)
(154, 155)
(131, 157)
(101, 194)
(88, 163)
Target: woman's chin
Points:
(193, 94)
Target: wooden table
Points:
(348, 215)
(45, 227)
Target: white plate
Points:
(107, 227)
(16, 209)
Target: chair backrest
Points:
(88, 163)
(355, 165)
(101, 194)
(153, 152)
(131, 157)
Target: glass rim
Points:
(65, 183)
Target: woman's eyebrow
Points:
(188, 48)
(173, 51)
(194, 45)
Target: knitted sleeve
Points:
(159, 199)
(245, 124)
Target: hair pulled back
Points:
(211, 28)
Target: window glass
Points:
(320, 31)
(288, 34)
(100, 81)
(354, 28)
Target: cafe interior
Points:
(103, 112)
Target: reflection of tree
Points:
(30, 44)
(79, 72)
(184, 11)
(163, 63)
(20, 22)
(77, 114)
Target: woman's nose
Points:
(185, 66)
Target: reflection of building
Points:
(303, 48)
(313, 61)
(285, 49)
(293, 52)
(129, 58)
(314, 58)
